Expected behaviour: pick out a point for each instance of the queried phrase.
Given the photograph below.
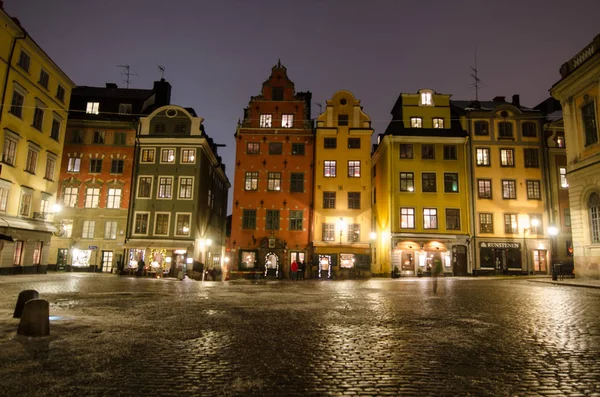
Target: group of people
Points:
(297, 270)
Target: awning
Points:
(164, 244)
(26, 224)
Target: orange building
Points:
(272, 195)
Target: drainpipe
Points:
(473, 240)
(549, 204)
(8, 68)
(132, 192)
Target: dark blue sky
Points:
(217, 53)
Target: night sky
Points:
(217, 53)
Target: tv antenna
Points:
(476, 79)
(320, 107)
(126, 71)
(162, 71)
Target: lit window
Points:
(110, 230)
(328, 232)
(161, 224)
(92, 197)
(430, 218)
(533, 190)
(407, 182)
(274, 181)
(182, 225)
(165, 187)
(167, 156)
(188, 156)
(70, 195)
(252, 148)
(486, 223)
(251, 181)
(88, 229)
(265, 120)
(3, 198)
(50, 165)
(147, 156)
(511, 224)
(186, 185)
(438, 123)
(329, 200)
(407, 218)
(141, 223)
(329, 169)
(450, 183)
(509, 189)
(114, 198)
(354, 169)
(287, 120)
(562, 171)
(296, 220)
(18, 254)
(416, 122)
(426, 99)
(507, 157)
(483, 156)
(31, 164)
(484, 188)
(92, 108)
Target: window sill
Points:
(13, 166)
(39, 129)
(48, 179)
(29, 172)
(20, 117)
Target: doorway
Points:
(539, 261)
(272, 265)
(459, 260)
(61, 258)
(107, 261)
(501, 260)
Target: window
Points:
(37, 252)
(141, 223)
(144, 187)
(147, 156)
(329, 200)
(113, 198)
(450, 152)
(16, 105)
(24, 61)
(297, 182)
(44, 205)
(483, 157)
(50, 166)
(511, 225)
(354, 169)
(252, 147)
(505, 129)
(287, 120)
(353, 233)
(535, 229)
(507, 157)
(531, 158)
(55, 130)
(76, 137)
(9, 152)
(452, 219)
(110, 230)
(343, 119)
(92, 108)
(426, 99)
(428, 152)
(3, 198)
(188, 156)
(249, 219)
(211, 199)
(298, 149)
(406, 151)
(265, 120)
(165, 187)
(428, 182)
(594, 210)
(31, 164)
(407, 218)
(185, 187)
(484, 188)
(182, 224)
(354, 200)
(274, 181)
(70, 195)
(38, 118)
(251, 181)
(296, 220)
(74, 164)
(277, 93)
(533, 190)
(450, 182)
(430, 218)
(116, 166)
(590, 127)
(562, 172)
(529, 130)
(416, 122)
(275, 148)
(330, 143)
(120, 138)
(167, 155)
(44, 79)
(486, 223)
(438, 122)
(509, 189)
(161, 224)
(328, 232)
(272, 222)
(88, 229)
(353, 143)
(95, 166)
(18, 254)
(407, 181)
(160, 128)
(60, 93)
(25, 207)
(567, 216)
(92, 197)
(329, 169)
(124, 108)
(99, 137)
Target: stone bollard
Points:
(24, 296)
(36, 318)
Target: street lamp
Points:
(529, 229)
(341, 225)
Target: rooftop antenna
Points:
(162, 71)
(320, 107)
(477, 83)
(127, 73)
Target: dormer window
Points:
(416, 122)
(124, 108)
(92, 107)
(426, 98)
(438, 123)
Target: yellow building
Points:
(579, 94)
(342, 212)
(420, 189)
(35, 99)
(509, 187)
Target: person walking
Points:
(301, 268)
(435, 272)
(141, 266)
(294, 270)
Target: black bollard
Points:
(24, 296)
(36, 318)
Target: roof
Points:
(396, 128)
(471, 105)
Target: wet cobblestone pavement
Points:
(119, 336)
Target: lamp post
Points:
(341, 225)
(529, 229)
(552, 232)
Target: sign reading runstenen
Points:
(500, 245)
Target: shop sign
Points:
(500, 245)
(93, 247)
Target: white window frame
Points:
(156, 214)
(266, 120)
(25, 193)
(438, 122)
(50, 168)
(562, 178)
(137, 190)
(161, 155)
(88, 229)
(38, 249)
(179, 185)
(191, 155)
(110, 230)
(425, 98)
(92, 108)
(136, 213)
(177, 215)
(153, 150)
(416, 122)
(73, 198)
(287, 120)
(93, 196)
(68, 227)
(32, 159)
(158, 188)
(11, 158)
(4, 195)
(74, 165)
(116, 199)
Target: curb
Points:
(568, 284)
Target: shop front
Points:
(166, 261)
(340, 261)
(417, 257)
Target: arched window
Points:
(594, 209)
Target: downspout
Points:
(8, 68)
(473, 242)
(549, 204)
(311, 206)
(132, 190)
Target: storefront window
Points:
(486, 257)
(81, 257)
(248, 259)
(347, 260)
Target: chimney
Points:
(499, 99)
(111, 85)
(162, 91)
(516, 101)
